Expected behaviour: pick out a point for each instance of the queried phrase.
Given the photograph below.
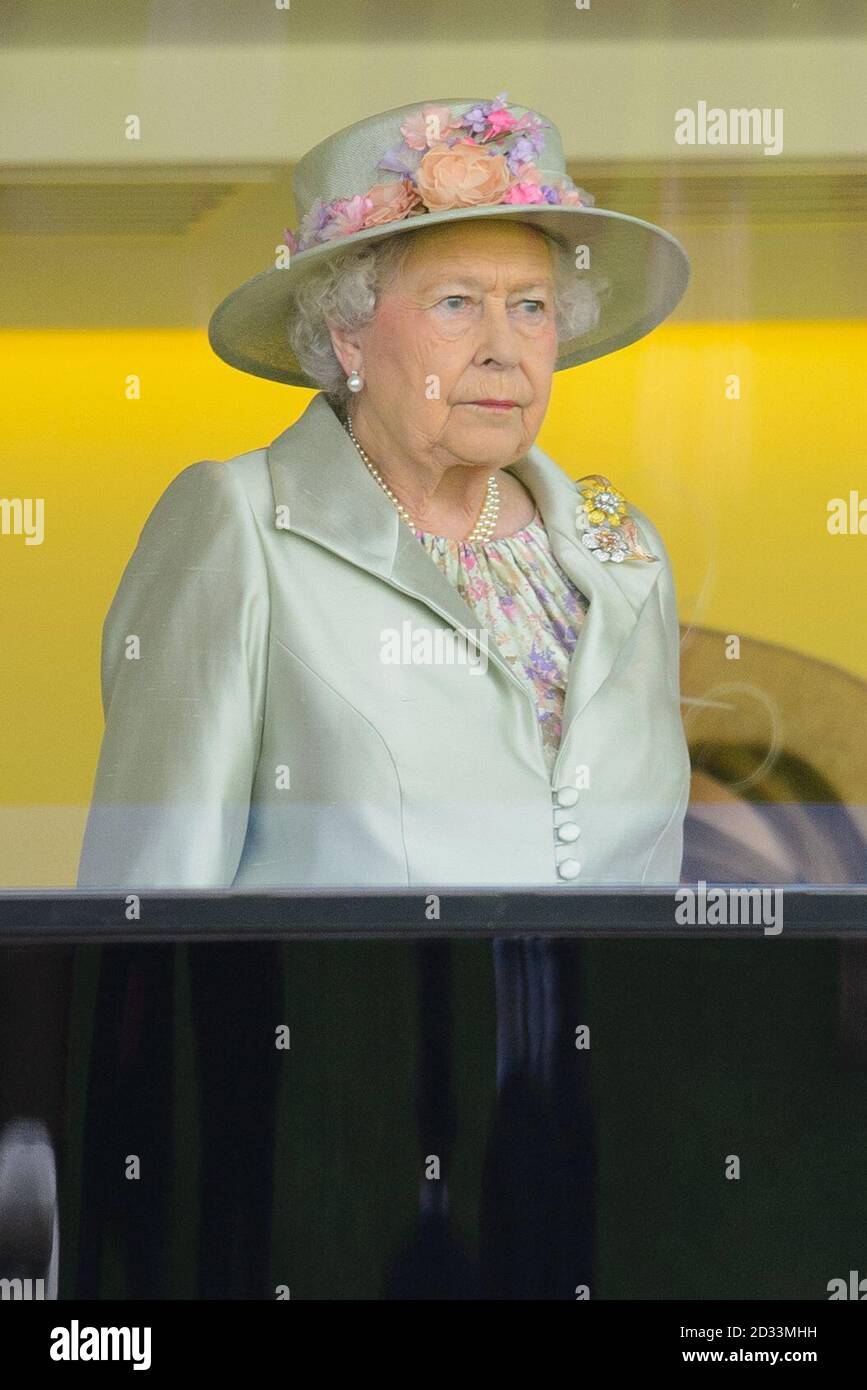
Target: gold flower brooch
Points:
(604, 523)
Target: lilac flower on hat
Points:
(523, 151)
(400, 160)
(313, 222)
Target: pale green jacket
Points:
(257, 736)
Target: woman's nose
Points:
(498, 336)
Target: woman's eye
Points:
(455, 302)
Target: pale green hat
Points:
(444, 161)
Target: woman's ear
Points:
(347, 349)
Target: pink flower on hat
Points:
(461, 176)
(420, 132)
(524, 193)
(392, 201)
(347, 216)
(502, 123)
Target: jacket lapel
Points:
(323, 491)
(617, 592)
(331, 498)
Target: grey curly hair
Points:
(342, 289)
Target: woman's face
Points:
(469, 319)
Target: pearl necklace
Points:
(486, 523)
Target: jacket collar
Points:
(323, 491)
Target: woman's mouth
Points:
(495, 405)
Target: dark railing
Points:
(837, 910)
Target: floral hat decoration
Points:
(439, 162)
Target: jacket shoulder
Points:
(249, 469)
(212, 513)
(211, 493)
(244, 473)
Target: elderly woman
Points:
(397, 648)
(400, 646)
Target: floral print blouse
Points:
(531, 608)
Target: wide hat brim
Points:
(646, 269)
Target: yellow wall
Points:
(739, 490)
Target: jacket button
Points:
(568, 831)
(570, 868)
(566, 796)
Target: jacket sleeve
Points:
(665, 862)
(667, 597)
(184, 667)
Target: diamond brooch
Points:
(606, 528)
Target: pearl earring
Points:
(354, 381)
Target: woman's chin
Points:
(486, 441)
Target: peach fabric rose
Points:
(461, 176)
(391, 202)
